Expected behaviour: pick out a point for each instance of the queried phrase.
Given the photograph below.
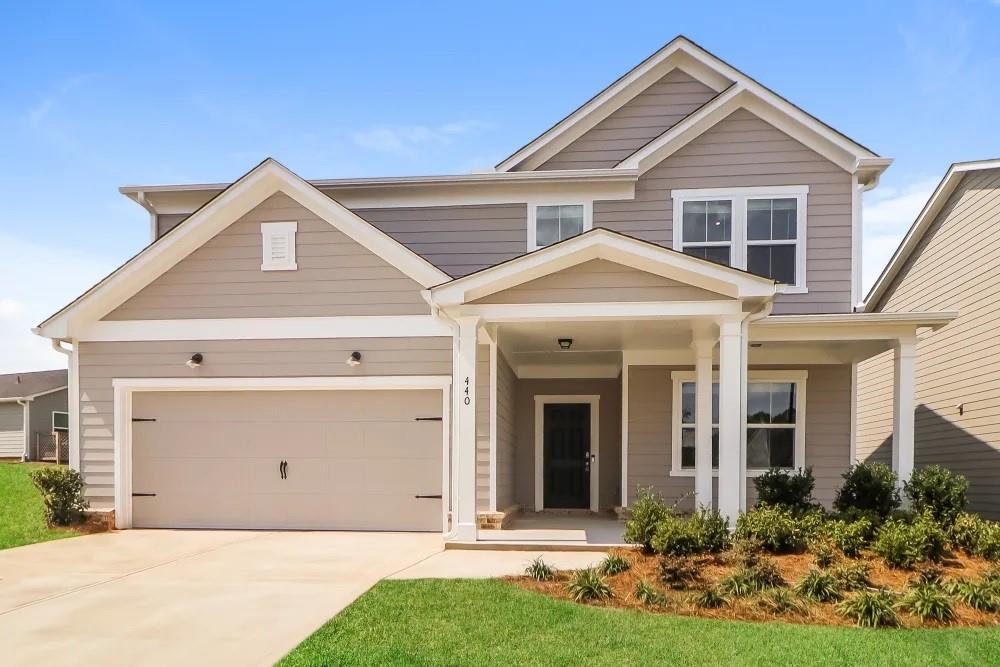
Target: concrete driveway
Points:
(166, 597)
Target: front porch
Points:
(590, 531)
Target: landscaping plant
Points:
(988, 544)
(904, 544)
(62, 492)
(778, 529)
(965, 531)
(976, 594)
(703, 532)
(871, 609)
(709, 598)
(539, 570)
(678, 572)
(819, 586)
(614, 564)
(850, 536)
(868, 487)
(823, 550)
(782, 601)
(787, 489)
(937, 490)
(852, 576)
(928, 602)
(588, 584)
(647, 512)
(649, 595)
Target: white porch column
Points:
(703, 348)
(904, 404)
(730, 400)
(464, 447)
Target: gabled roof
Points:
(264, 180)
(956, 172)
(29, 385)
(735, 89)
(611, 246)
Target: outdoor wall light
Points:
(565, 343)
(194, 361)
(354, 359)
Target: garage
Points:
(317, 459)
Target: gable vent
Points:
(278, 244)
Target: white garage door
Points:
(335, 460)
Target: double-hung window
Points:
(758, 229)
(551, 223)
(775, 420)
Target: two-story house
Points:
(658, 291)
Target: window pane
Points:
(719, 220)
(758, 404)
(758, 454)
(775, 262)
(715, 402)
(687, 448)
(570, 221)
(759, 219)
(715, 447)
(717, 254)
(60, 421)
(771, 403)
(687, 402)
(782, 445)
(783, 403)
(784, 218)
(546, 225)
(694, 221)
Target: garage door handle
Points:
(437, 496)
(428, 419)
(143, 495)
(283, 469)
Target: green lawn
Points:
(22, 515)
(488, 622)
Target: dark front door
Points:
(567, 455)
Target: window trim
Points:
(588, 217)
(60, 412)
(799, 377)
(268, 231)
(739, 243)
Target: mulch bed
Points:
(753, 608)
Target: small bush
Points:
(787, 489)
(62, 492)
(760, 575)
(868, 487)
(988, 544)
(938, 491)
(709, 598)
(819, 586)
(782, 601)
(777, 528)
(852, 577)
(928, 602)
(539, 570)
(711, 531)
(850, 536)
(903, 544)
(965, 531)
(588, 584)
(823, 550)
(870, 609)
(702, 532)
(646, 514)
(737, 584)
(614, 564)
(649, 595)
(976, 594)
(930, 575)
(678, 572)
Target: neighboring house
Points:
(949, 260)
(372, 353)
(33, 406)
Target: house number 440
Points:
(467, 400)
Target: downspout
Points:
(73, 399)
(755, 316)
(25, 404)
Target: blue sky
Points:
(99, 95)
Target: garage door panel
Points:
(356, 459)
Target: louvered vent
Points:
(278, 242)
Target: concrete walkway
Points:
(164, 597)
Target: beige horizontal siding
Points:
(643, 118)
(223, 278)
(742, 151)
(598, 281)
(100, 363)
(167, 221)
(506, 444)
(956, 266)
(483, 382)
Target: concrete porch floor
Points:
(556, 532)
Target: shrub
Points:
(928, 602)
(937, 490)
(614, 564)
(62, 492)
(737, 584)
(588, 584)
(903, 544)
(872, 609)
(709, 598)
(649, 595)
(764, 574)
(703, 532)
(776, 528)
(647, 512)
(965, 531)
(850, 536)
(868, 487)
(978, 595)
(988, 544)
(539, 570)
(930, 575)
(782, 601)
(787, 489)
(823, 550)
(678, 572)
(852, 577)
(819, 586)
(711, 531)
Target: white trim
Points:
(799, 377)
(587, 224)
(25, 428)
(738, 243)
(594, 312)
(854, 413)
(60, 412)
(857, 237)
(264, 328)
(494, 380)
(124, 388)
(541, 400)
(845, 326)
(543, 371)
(275, 231)
(624, 425)
(73, 399)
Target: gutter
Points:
(25, 404)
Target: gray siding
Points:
(506, 443)
(11, 430)
(101, 362)
(167, 221)
(457, 239)
(828, 436)
(483, 382)
(742, 151)
(42, 408)
(956, 266)
(336, 276)
(651, 113)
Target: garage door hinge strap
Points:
(143, 419)
(428, 419)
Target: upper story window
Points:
(551, 223)
(761, 230)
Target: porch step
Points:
(505, 545)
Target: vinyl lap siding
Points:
(740, 151)
(102, 362)
(506, 388)
(955, 267)
(336, 276)
(11, 430)
(651, 113)
(483, 382)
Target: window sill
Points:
(751, 472)
(791, 289)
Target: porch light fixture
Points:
(194, 361)
(565, 343)
(354, 359)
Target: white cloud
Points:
(888, 213)
(38, 280)
(407, 139)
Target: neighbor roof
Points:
(27, 385)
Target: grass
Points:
(22, 515)
(492, 622)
